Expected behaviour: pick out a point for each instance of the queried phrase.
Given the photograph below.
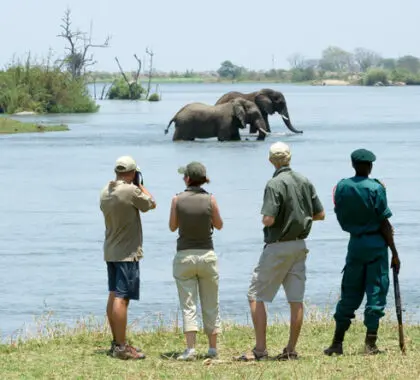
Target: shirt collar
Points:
(281, 170)
(196, 189)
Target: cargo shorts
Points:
(281, 263)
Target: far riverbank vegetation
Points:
(60, 85)
(336, 66)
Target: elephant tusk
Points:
(284, 117)
(262, 131)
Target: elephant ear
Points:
(239, 112)
(264, 103)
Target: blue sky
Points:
(187, 34)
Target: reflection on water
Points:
(52, 229)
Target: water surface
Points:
(52, 229)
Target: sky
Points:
(199, 35)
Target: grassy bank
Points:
(81, 353)
(8, 126)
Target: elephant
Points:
(199, 120)
(268, 101)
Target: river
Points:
(52, 230)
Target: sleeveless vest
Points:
(194, 212)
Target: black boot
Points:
(337, 344)
(370, 343)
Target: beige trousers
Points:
(196, 274)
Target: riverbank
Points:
(8, 126)
(81, 352)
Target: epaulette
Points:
(380, 182)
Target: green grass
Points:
(8, 126)
(80, 352)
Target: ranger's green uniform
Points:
(360, 207)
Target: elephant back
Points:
(230, 96)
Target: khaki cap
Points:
(126, 164)
(280, 151)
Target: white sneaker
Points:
(187, 355)
(211, 353)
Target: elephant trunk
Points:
(286, 118)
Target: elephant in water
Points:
(199, 120)
(268, 102)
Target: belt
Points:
(368, 233)
(283, 240)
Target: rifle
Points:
(399, 310)
(388, 234)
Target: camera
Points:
(138, 179)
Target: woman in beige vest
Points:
(195, 213)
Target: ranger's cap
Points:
(363, 155)
(126, 164)
(195, 170)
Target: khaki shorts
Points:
(281, 263)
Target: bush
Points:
(403, 75)
(154, 97)
(44, 90)
(375, 75)
(121, 90)
(302, 75)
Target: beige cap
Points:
(126, 164)
(280, 152)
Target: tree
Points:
(131, 89)
(151, 54)
(229, 70)
(336, 59)
(79, 44)
(409, 63)
(388, 63)
(296, 61)
(366, 58)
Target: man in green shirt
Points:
(362, 210)
(290, 206)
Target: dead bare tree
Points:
(79, 44)
(133, 84)
(151, 54)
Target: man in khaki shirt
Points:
(120, 202)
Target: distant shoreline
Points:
(199, 80)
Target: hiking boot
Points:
(370, 344)
(337, 343)
(127, 352)
(113, 345)
(335, 348)
(188, 355)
